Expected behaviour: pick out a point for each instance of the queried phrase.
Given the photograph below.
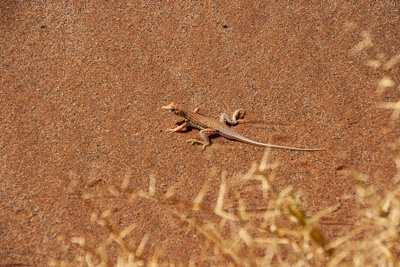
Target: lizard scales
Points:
(209, 126)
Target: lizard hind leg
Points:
(204, 134)
(236, 117)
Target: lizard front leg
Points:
(204, 134)
(236, 117)
(180, 128)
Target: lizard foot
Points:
(194, 141)
(238, 115)
(174, 130)
(180, 128)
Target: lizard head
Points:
(174, 108)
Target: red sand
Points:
(82, 87)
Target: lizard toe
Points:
(192, 141)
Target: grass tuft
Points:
(282, 232)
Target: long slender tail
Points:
(251, 142)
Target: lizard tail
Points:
(251, 142)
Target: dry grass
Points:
(257, 238)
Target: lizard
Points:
(210, 126)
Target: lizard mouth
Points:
(169, 107)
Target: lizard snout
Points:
(170, 107)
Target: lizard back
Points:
(203, 122)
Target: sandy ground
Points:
(82, 85)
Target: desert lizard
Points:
(209, 126)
